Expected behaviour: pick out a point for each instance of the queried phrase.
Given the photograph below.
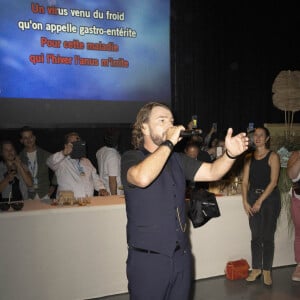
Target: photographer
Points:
(15, 178)
(74, 171)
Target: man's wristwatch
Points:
(168, 143)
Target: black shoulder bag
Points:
(202, 207)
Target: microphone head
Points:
(189, 133)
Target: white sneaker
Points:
(296, 274)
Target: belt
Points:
(150, 251)
(258, 191)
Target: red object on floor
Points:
(238, 269)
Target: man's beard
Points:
(157, 139)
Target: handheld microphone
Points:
(189, 133)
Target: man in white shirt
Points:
(109, 162)
(75, 174)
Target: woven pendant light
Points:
(286, 91)
(286, 95)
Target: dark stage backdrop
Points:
(225, 57)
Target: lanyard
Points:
(32, 167)
(79, 167)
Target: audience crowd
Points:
(36, 173)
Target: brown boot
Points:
(267, 277)
(255, 273)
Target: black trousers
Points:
(263, 227)
(153, 276)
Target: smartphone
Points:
(195, 121)
(79, 150)
(250, 127)
(215, 126)
(219, 151)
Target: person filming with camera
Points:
(74, 171)
(15, 178)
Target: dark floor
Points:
(219, 288)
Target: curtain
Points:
(224, 59)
